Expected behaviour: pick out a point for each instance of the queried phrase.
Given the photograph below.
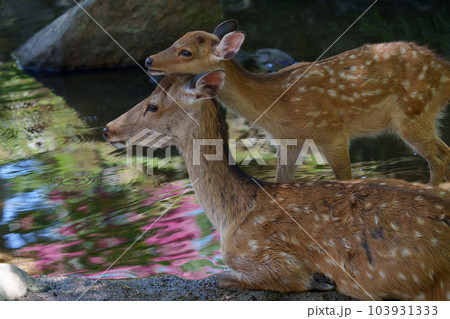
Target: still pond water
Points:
(70, 205)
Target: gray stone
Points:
(14, 283)
(265, 60)
(73, 41)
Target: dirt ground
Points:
(161, 288)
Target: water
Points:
(70, 205)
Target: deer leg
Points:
(439, 163)
(447, 171)
(438, 158)
(236, 280)
(240, 280)
(286, 170)
(425, 142)
(339, 159)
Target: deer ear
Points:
(207, 85)
(230, 45)
(226, 27)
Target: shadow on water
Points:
(102, 95)
(69, 203)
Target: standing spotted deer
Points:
(368, 239)
(393, 87)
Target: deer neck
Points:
(249, 94)
(224, 191)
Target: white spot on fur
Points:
(405, 84)
(295, 99)
(289, 258)
(376, 220)
(330, 261)
(253, 245)
(332, 92)
(296, 209)
(382, 274)
(394, 226)
(406, 252)
(434, 241)
(401, 276)
(258, 220)
(345, 243)
(251, 205)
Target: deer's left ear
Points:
(226, 27)
(207, 85)
(229, 45)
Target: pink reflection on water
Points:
(109, 242)
(96, 260)
(164, 191)
(174, 243)
(50, 256)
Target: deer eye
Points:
(151, 108)
(185, 53)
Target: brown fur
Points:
(390, 236)
(393, 87)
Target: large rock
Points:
(14, 283)
(142, 27)
(265, 60)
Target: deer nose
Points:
(105, 133)
(148, 63)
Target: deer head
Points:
(164, 110)
(198, 51)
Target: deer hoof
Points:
(320, 282)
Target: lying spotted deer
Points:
(393, 87)
(368, 239)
